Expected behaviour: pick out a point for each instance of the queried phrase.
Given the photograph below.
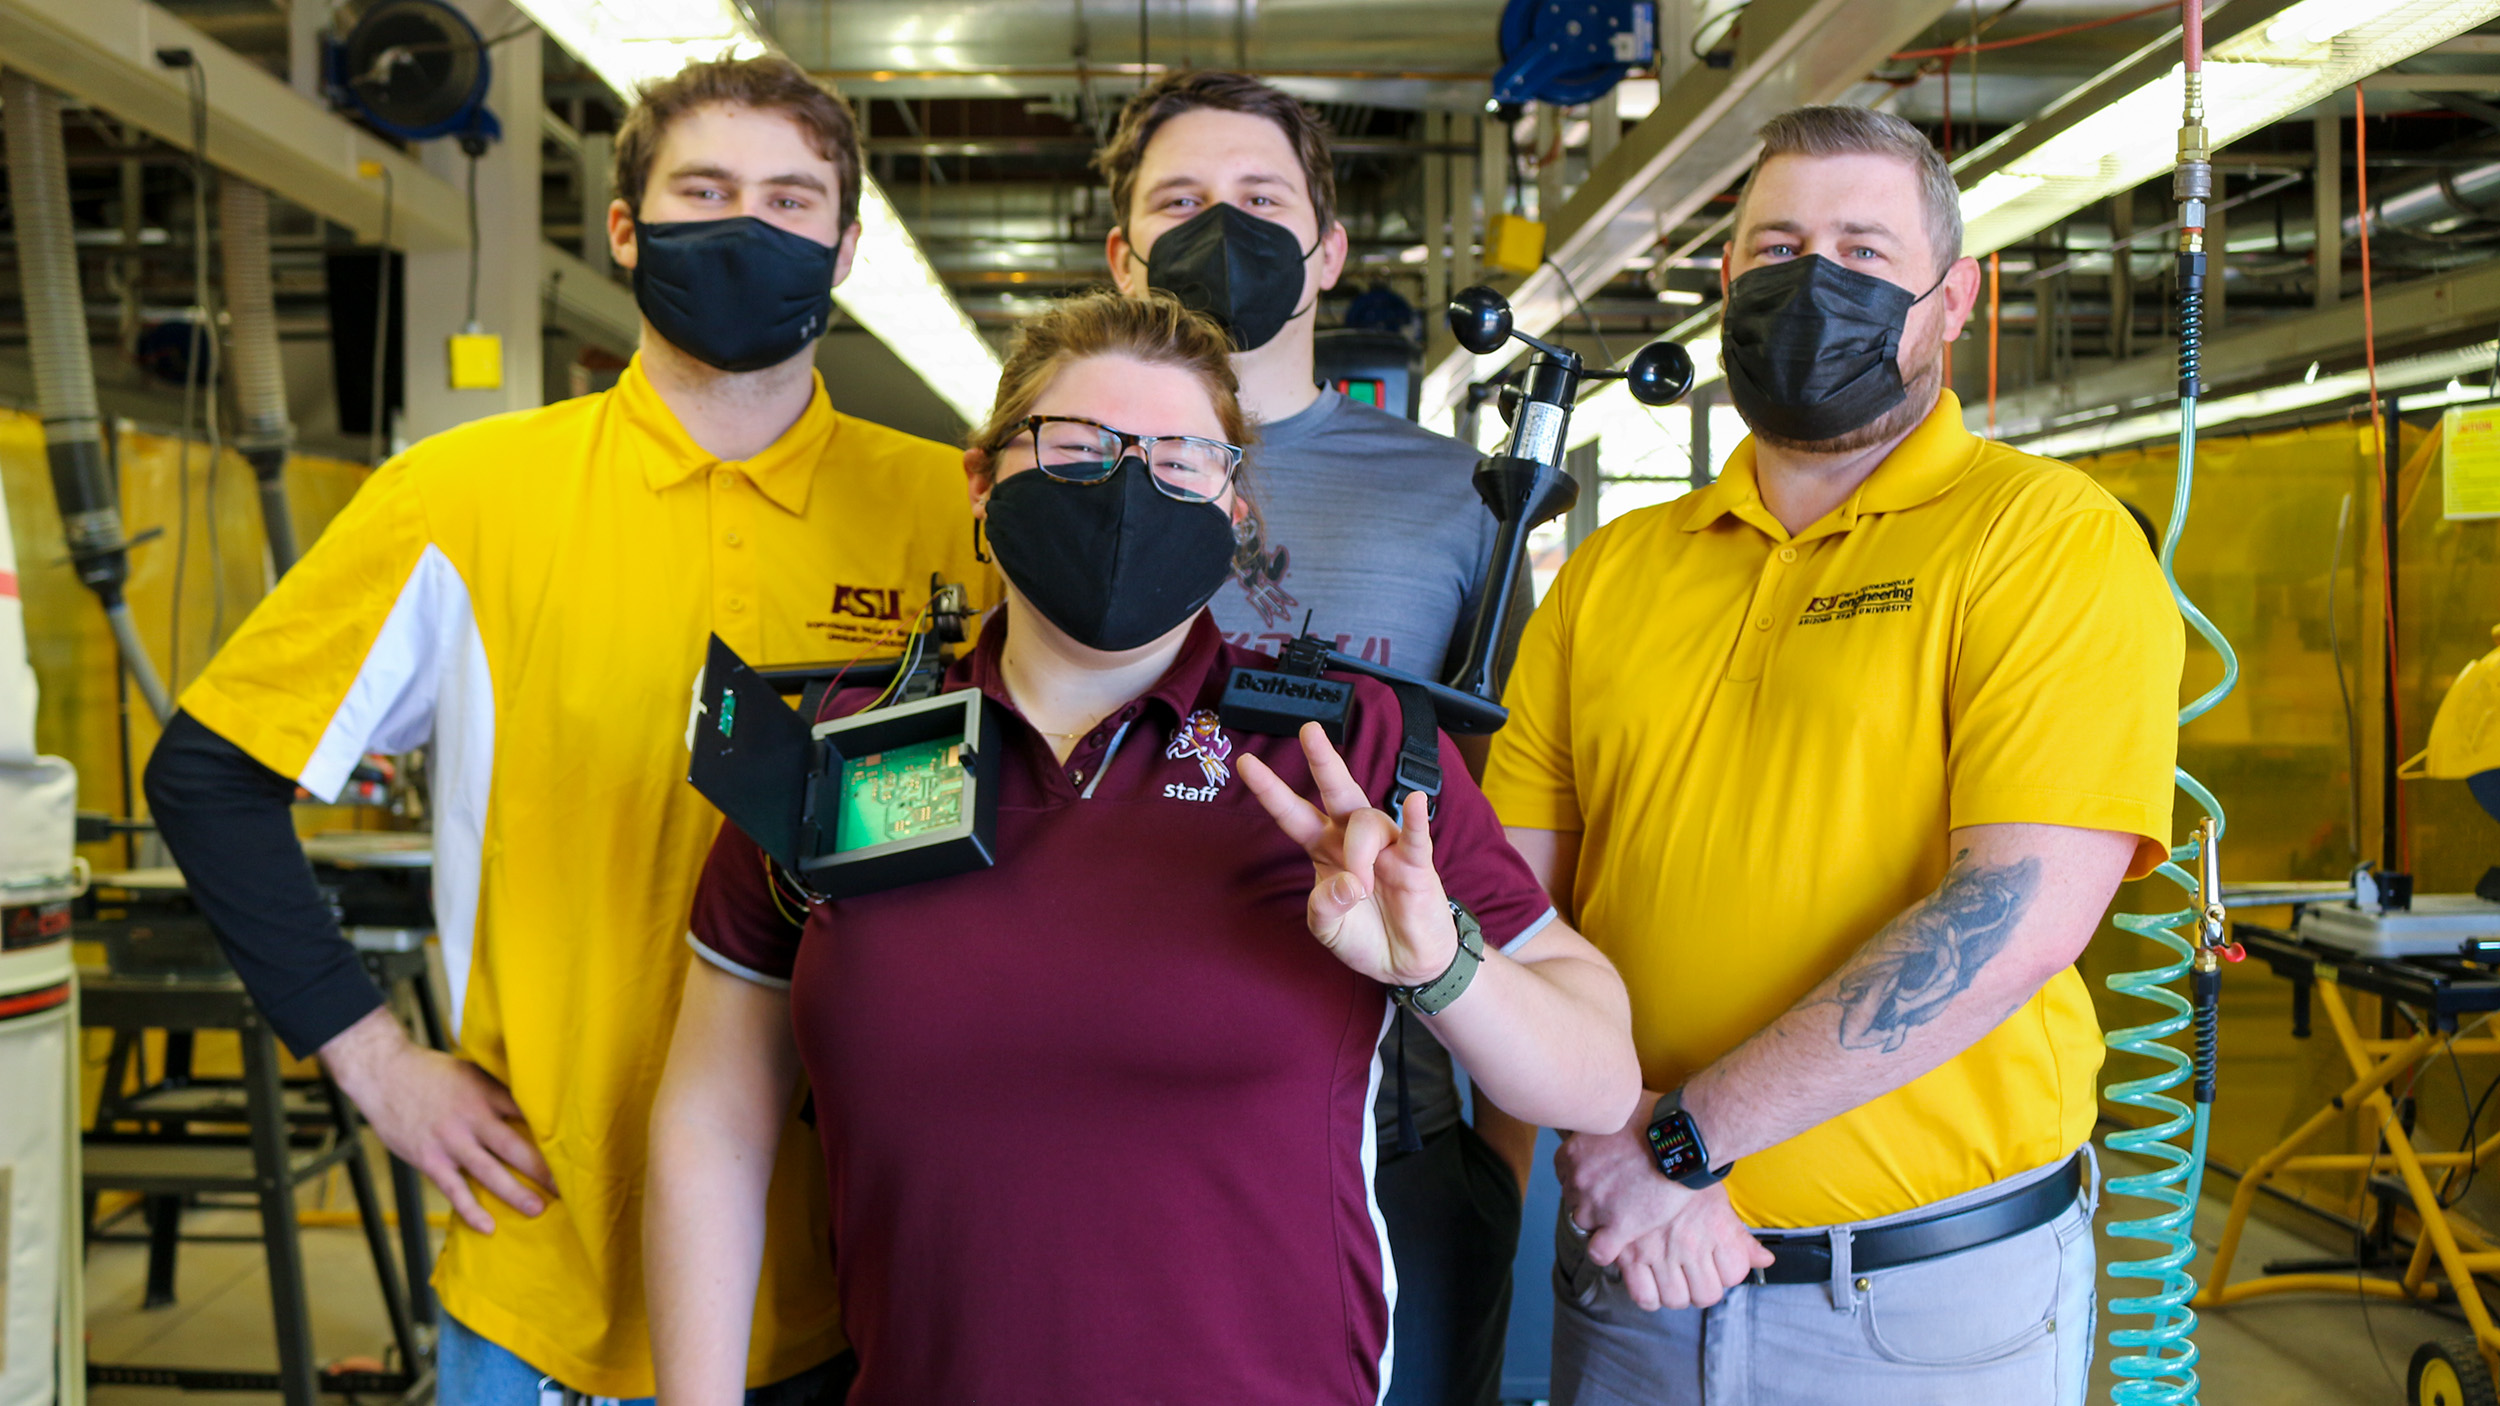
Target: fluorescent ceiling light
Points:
(892, 290)
(894, 293)
(2447, 366)
(2253, 78)
(2317, 21)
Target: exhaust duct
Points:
(263, 434)
(2435, 207)
(56, 329)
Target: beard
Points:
(1918, 398)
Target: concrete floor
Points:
(2281, 1352)
(221, 1316)
(2298, 1350)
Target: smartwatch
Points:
(1434, 996)
(1675, 1145)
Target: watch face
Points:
(1675, 1145)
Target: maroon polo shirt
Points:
(1098, 1119)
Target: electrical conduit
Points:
(56, 329)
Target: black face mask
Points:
(739, 294)
(1115, 564)
(1813, 348)
(1243, 271)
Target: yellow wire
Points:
(911, 644)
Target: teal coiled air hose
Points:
(2158, 1362)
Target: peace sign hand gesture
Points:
(1376, 901)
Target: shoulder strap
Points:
(1419, 750)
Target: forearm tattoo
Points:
(1926, 957)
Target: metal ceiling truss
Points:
(2459, 307)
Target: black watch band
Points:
(1676, 1145)
(1435, 996)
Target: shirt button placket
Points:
(1755, 641)
(737, 608)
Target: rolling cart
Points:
(2448, 990)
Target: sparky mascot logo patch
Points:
(1200, 737)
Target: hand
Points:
(1376, 901)
(1675, 1247)
(441, 1115)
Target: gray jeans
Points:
(1999, 1325)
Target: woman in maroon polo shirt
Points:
(1097, 1120)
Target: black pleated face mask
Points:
(1243, 271)
(739, 294)
(1813, 348)
(1115, 564)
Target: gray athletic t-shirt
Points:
(1371, 524)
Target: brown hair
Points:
(1860, 131)
(1175, 93)
(1154, 328)
(770, 83)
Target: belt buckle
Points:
(1785, 1249)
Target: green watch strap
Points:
(1435, 996)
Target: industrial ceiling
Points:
(979, 120)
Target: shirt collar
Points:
(783, 472)
(1303, 423)
(1929, 461)
(1196, 676)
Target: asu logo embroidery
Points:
(1202, 738)
(868, 602)
(1882, 598)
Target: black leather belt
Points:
(1807, 1259)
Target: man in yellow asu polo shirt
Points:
(529, 596)
(1840, 760)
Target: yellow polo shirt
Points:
(529, 596)
(1763, 741)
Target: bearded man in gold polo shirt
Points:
(1840, 760)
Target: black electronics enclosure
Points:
(964, 719)
(1277, 703)
(782, 783)
(750, 754)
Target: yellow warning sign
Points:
(2469, 461)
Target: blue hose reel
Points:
(415, 70)
(1567, 52)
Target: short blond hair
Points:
(1862, 131)
(1154, 329)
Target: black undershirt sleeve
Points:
(230, 824)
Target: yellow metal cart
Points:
(2446, 991)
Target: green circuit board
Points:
(899, 794)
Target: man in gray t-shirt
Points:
(1224, 191)
(1371, 525)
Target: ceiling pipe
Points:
(2435, 206)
